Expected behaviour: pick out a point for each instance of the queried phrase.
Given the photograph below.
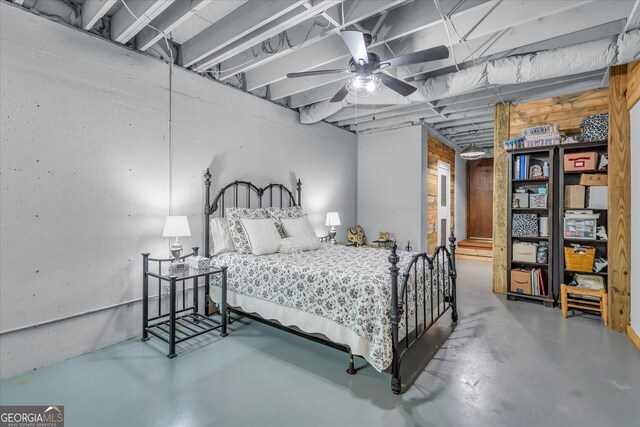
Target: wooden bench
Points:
(598, 302)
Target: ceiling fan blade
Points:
(316, 73)
(355, 42)
(433, 54)
(396, 85)
(340, 95)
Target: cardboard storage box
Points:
(593, 179)
(521, 281)
(576, 162)
(597, 197)
(524, 252)
(574, 196)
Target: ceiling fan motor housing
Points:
(374, 62)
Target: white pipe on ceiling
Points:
(546, 64)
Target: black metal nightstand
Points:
(179, 325)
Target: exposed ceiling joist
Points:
(133, 16)
(541, 27)
(354, 11)
(93, 10)
(167, 21)
(242, 21)
(633, 21)
(265, 32)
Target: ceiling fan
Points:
(367, 66)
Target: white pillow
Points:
(298, 227)
(294, 245)
(262, 235)
(221, 240)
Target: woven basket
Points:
(579, 259)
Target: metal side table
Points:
(179, 324)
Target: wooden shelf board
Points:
(603, 172)
(532, 180)
(529, 238)
(585, 272)
(595, 242)
(534, 264)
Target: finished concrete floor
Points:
(506, 363)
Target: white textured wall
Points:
(392, 184)
(635, 218)
(84, 169)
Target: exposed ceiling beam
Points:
(525, 34)
(541, 26)
(633, 21)
(399, 23)
(265, 32)
(424, 116)
(167, 21)
(129, 20)
(354, 11)
(242, 21)
(93, 10)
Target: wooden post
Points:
(619, 200)
(500, 185)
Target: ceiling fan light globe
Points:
(363, 85)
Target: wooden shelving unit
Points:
(538, 155)
(572, 178)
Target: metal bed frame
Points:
(441, 265)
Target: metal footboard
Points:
(425, 292)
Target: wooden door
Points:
(480, 199)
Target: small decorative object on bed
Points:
(369, 303)
(356, 236)
(333, 219)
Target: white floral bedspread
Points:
(346, 285)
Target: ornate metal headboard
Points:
(278, 195)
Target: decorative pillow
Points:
(234, 215)
(298, 227)
(278, 213)
(262, 235)
(356, 236)
(221, 240)
(294, 245)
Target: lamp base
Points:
(177, 267)
(332, 237)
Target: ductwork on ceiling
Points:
(546, 64)
(57, 10)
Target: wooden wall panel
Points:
(437, 150)
(633, 84)
(619, 200)
(500, 186)
(567, 110)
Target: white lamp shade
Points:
(176, 226)
(332, 219)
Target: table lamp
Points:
(176, 226)
(333, 219)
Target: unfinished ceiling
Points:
(253, 45)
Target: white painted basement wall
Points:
(392, 178)
(84, 164)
